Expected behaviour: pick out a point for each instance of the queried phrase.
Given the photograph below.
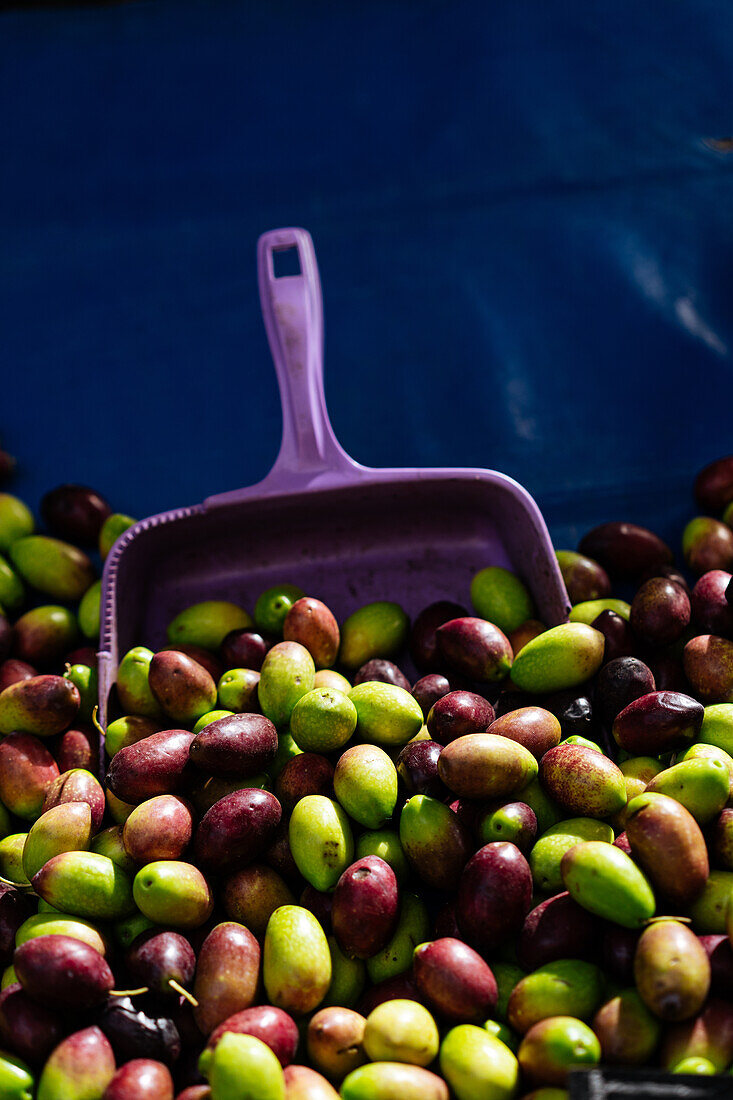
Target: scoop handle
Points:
(292, 309)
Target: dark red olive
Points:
(384, 671)
(429, 689)
(459, 713)
(417, 767)
(75, 512)
(156, 958)
(620, 641)
(618, 684)
(13, 670)
(714, 485)
(27, 1027)
(244, 649)
(660, 612)
(135, 1034)
(625, 549)
(423, 643)
(658, 722)
(711, 611)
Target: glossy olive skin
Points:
(660, 612)
(77, 785)
(619, 683)
(417, 767)
(429, 689)
(423, 643)
(159, 764)
(63, 972)
(28, 1027)
(584, 578)
(182, 686)
(201, 656)
(307, 773)
(160, 828)
(494, 895)
(384, 671)
(43, 705)
(237, 829)
(140, 1079)
(534, 727)
(27, 769)
(133, 1033)
(671, 970)
(12, 671)
(454, 980)
(365, 907)
(311, 623)
(75, 513)
(557, 928)
(155, 957)
(711, 611)
(707, 544)
(476, 649)
(458, 713)
(227, 973)
(625, 549)
(78, 748)
(669, 846)
(244, 649)
(266, 1022)
(620, 640)
(235, 747)
(708, 665)
(657, 723)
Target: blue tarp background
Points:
(524, 240)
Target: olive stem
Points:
(96, 724)
(129, 992)
(184, 992)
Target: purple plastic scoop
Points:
(343, 532)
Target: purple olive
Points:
(417, 767)
(620, 641)
(75, 512)
(494, 895)
(382, 670)
(625, 549)
(235, 747)
(660, 612)
(156, 958)
(455, 981)
(557, 929)
(237, 828)
(365, 907)
(657, 723)
(135, 1034)
(457, 714)
(714, 485)
(307, 773)
(28, 1027)
(475, 648)
(619, 683)
(423, 643)
(244, 649)
(429, 689)
(63, 972)
(159, 764)
(711, 611)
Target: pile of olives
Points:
(462, 856)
